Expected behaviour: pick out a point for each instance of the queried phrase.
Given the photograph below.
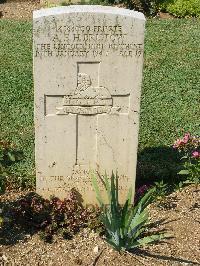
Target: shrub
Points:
(50, 217)
(178, 8)
(181, 8)
(189, 149)
(144, 6)
(125, 225)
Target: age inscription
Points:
(87, 41)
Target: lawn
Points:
(170, 93)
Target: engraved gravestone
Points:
(87, 77)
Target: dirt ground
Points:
(18, 10)
(178, 214)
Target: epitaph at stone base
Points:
(87, 77)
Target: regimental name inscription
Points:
(85, 41)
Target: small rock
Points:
(4, 258)
(96, 249)
(78, 261)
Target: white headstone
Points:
(87, 76)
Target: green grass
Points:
(170, 94)
(16, 86)
(171, 85)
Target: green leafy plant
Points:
(125, 225)
(189, 149)
(180, 8)
(7, 156)
(49, 217)
(140, 191)
(161, 189)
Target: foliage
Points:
(161, 189)
(8, 155)
(125, 225)
(53, 216)
(148, 7)
(189, 149)
(181, 8)
(178, 8)
(48, 4)
(1, 221)
(140, 191)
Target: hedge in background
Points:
(180, 8)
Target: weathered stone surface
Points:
(87, 77)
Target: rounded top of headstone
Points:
(87, 9)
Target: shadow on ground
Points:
(30, 214)
(17, 223)
(146, 254)
(157, 163)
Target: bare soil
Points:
(17, 10)
(178, 214)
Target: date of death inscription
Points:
(88, 42)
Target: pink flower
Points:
(196, 154)
(141, 191)
(186, 138)
(178, 143)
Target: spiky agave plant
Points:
(125, 224)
